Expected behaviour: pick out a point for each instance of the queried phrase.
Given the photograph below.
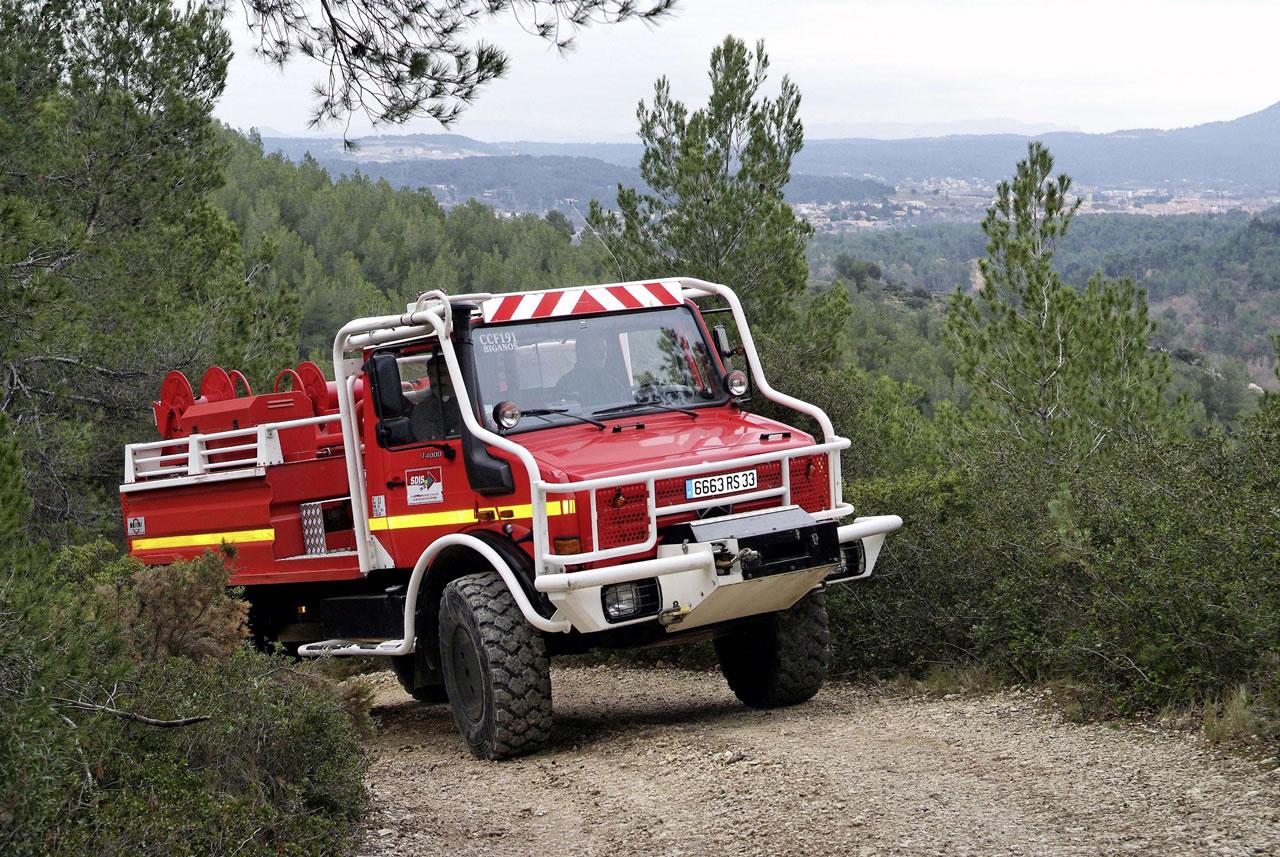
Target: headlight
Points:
(853, 563)
(630, 600)
(506, 414)
(736, 383)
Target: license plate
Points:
(723, 483)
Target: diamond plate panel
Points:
(313, 528)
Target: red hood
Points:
(582, 451)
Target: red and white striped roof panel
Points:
(581, 301)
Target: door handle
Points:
(395, 483)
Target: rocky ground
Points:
(667, 762)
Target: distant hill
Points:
(622, 154)
(1213, 280)
(1239, 154)
(507, 182)
(457, 168)
(385, 147)
(1242, 153)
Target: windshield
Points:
(588, 367)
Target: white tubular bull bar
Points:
(431, 314)
(871, 530)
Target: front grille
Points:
(624, 516)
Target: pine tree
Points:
(716, 210)
(15, 501)
(1056, 370)
(114, 265)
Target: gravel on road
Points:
(668, 762)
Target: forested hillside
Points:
(345, 245)
(133, 717)
(1213, 280)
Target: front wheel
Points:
(781, 659)
(496, 669)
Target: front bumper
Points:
(725, 568)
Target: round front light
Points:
(736, 383)
(506, 414)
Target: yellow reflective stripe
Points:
(554, 507)
(204, 539)
(424, 519)
(455, 517)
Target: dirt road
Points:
(666, 762)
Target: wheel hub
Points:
(467, 677)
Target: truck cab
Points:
(492, 480)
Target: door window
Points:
(433, 409)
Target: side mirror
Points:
(384, 380)
(722, 342)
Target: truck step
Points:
(325, 555)
(340, 648)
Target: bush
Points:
(1149, 576)
(268, 761)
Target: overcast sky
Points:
(863, 66)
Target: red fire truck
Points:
(491, 480)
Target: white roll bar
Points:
(431, 314)
(693, 288)
(417, 322)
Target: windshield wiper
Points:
(563, 412)
(635, 406)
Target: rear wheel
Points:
(781, 659)
(495, 668)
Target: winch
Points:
(765, 542)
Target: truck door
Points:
(418, 488)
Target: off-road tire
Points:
(406, 671)
(780, 659)
(495, 667)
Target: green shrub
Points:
(1149, 575)
(270, 764)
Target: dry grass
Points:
(341, 669)
(943, 679)
(356, 697)
(1231, 719)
